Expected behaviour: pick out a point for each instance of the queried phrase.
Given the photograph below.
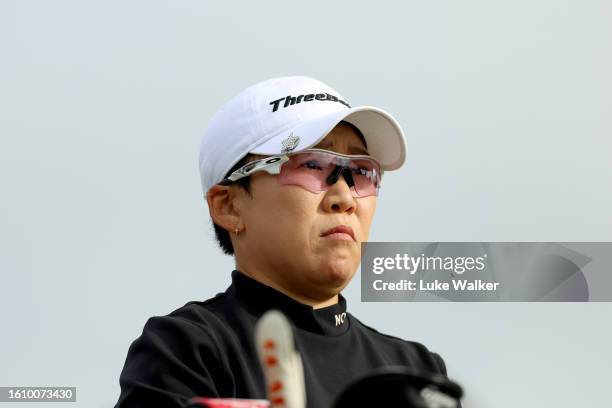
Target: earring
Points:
(236, 231)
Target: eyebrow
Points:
(352, 149)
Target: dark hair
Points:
(221, 234)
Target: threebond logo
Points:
(294, 100)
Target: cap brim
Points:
(384, 137)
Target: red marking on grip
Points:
(276, 386)
(271, 361)
(278, 401)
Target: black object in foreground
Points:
(400, 387)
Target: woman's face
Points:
(282, 243)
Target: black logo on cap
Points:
(293, 100)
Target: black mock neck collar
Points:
(331, 320)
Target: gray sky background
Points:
(506, 106)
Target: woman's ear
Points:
(221, 207)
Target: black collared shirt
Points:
(207, 349)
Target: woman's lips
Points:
(341, 232)
(340, 236)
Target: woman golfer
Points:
(291, 174)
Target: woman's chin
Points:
(339, 272)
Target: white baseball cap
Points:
(290, 114)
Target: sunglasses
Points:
(316, 170)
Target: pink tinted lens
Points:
(311, 170)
